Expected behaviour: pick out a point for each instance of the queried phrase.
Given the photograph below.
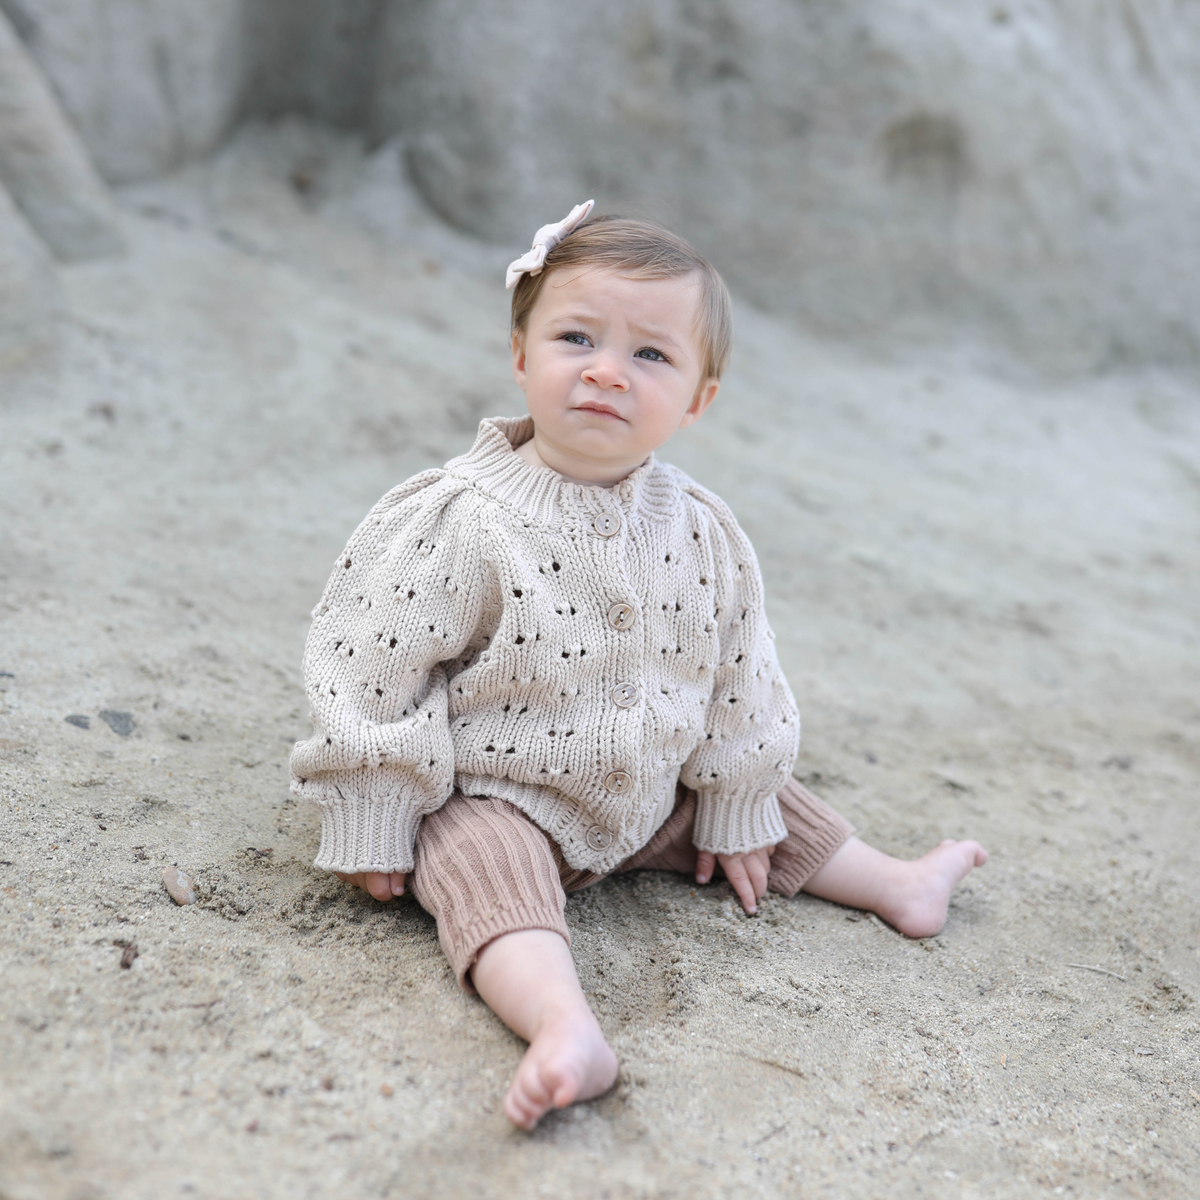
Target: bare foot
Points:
(528, 980)
(918, 899)
(568, 1060)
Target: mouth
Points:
(603, 410)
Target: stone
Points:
(179, 885)
(78, 720)
(30, 297)
(44, 165)
(149, 84)
(1020, 180)
(121, 723)
(892, 172)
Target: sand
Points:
(985, 588)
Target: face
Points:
(611, 368)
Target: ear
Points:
(706, 393)
(518, 357)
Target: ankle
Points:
(560, 1005)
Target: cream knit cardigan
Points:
(574, 650)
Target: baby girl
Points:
(549, 661)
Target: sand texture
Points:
(985, 592)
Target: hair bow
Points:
(544, 241)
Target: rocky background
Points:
(1026, 171)
(250, 264)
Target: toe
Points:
(518, 1109)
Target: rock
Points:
(899, 172)
(179, 885)
(894, 170)
(121, 723)
(149, 84)
(30, 296)
(78, 720)
(43, 163)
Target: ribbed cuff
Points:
(462, 946)
(368, 835)
(737, 827)
(815, 833)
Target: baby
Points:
(549, 661)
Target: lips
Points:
(603, 410)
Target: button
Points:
(624, 695)
(621, 616)
(618, 782)
(599, 839)
(606, 523)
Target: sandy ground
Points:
(986, 592)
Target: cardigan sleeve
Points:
(403, 600)
(752, 727)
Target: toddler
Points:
(549, 661)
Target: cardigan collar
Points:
(493, 466)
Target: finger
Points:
(735, 872)
(397, 882)
(706, 863)
(756, 871)
(378, 884)
(352, 880)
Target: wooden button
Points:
(598, 838)
(621, 616)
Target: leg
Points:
(821, 856)
(491, 879)
(912, 896)
(528, 980)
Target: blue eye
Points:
(576, 339)
(651, 355)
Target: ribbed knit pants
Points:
(484, 869)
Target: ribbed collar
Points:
(543, 495)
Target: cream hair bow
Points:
(544, 241)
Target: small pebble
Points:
(179, 885)
(121, 723)
(79, 720)
(385, 1089)
(128, 955)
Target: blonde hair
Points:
(646, 251)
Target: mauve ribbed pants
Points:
(483, 868)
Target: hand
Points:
(746, 872)
(376, 883)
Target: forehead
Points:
(601, 293)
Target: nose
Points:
(606, 371)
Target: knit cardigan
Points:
(574, 650)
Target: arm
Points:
(403, 598)
(752, 729)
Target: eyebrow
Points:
(650, 332)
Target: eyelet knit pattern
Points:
(464, 640)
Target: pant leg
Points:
(815, 832)
(483, 869)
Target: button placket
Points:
(606, 524)
(599, 838)
(618, 782)
(622, 616)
